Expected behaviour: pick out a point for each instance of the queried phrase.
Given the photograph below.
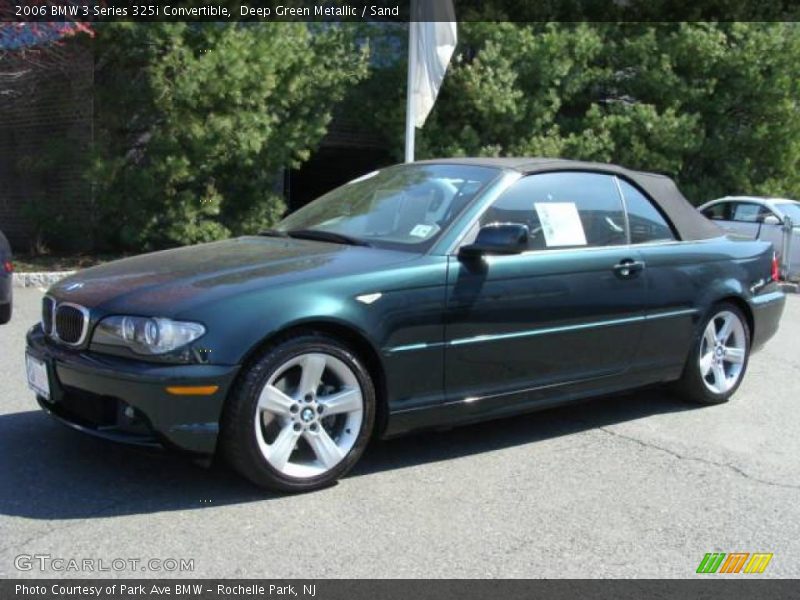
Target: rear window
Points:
(646, 222)
(718, 212)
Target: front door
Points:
(570, 309)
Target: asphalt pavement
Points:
(636, 485)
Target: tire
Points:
(5, 313)
(716, 366)
(279, 428)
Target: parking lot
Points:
(637, 485)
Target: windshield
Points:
(405, 207)
(791, 210)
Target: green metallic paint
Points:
(544, 331)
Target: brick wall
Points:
(45, 134)
(49, 108)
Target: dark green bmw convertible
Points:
(417, 296)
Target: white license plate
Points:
(37, 376)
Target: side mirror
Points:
(497, 238)
(772, 220)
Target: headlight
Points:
(145, 335)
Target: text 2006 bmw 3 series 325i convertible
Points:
(422, 295)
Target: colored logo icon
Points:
(735, 562)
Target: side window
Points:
(563, 209)
(646, 222)
(718, 212)
(749, 212)
(746, 212)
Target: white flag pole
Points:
(432, 38)
(412, 65)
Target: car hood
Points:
(169, 282)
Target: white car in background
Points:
(752, 217)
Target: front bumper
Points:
(127, 401)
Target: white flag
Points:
(434, 22)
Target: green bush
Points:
(713, 104)
(195, 123)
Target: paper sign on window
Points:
(561, 223)
(421, 231)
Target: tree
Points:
(195, 123)
(713, 104)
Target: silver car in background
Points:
(753, 217)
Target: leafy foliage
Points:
(196, 123)
(713, 104)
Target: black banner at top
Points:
(97, 11)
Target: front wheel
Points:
(300, 417)
(718, 360)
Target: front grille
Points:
(47, 315)
(70, 323)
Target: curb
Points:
(43, 279)
(790, 288)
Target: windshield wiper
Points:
(326, 236)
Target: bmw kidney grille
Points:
(65, 322)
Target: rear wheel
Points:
(718, 360)
(300, 417)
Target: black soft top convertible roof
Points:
(690, 224)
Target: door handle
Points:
(628, 266)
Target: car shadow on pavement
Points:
(48, 471)
(528, 428)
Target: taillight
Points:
(8, 266)
(776, 267)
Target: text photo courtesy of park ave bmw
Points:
(301, 298)
(167, 589)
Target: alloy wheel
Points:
(309, 415)
(723, 350)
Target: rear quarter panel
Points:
(696, 275)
